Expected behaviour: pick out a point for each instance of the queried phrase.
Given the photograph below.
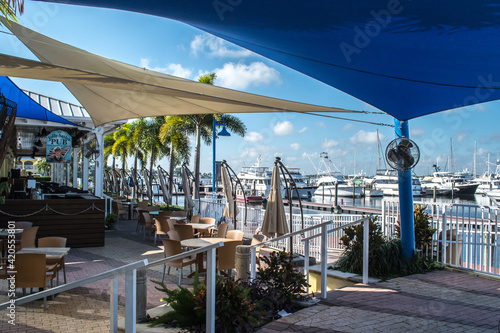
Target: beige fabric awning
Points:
(111, 90)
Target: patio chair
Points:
(226, 256)
(3, 268)
(185, 231)
(235, 234)
(140, 219)
(179, 213)
(173, 235)
(55, 242)
(148, 224)
(453, 247)
(161, 228)
(171, 223)
(119, 208)
(206, 220)
(221, 231)
(196, 219)
(28, 238)
(32, 272)
(171, 248)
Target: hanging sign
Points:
(59, 147)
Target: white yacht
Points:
(326, 187)
(256, 179)
(448, 179)
(305, 191)
(487, 182)
(387, 182)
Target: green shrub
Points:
(234, 309)
(422, 226)
(111, 220)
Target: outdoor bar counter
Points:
(78, 216)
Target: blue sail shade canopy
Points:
(26, 107)
(407, 58)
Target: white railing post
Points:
(253, 262)
(113, 305)
(306, 262)
(384, 227)
(324, 258)
(210, 318)
(366, 242)
(130, 300)
(443, 240)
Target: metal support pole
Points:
(99, 163)
(85, 173)
(214, 178)
(324, 258)
(210, 318)
(366, 248)
(75, 167)
(405, 199)
(130, 300)
(306, 262)
(113, 304)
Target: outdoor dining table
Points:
(130, 206)
(200, 242)
(55, 253)
(4, 233)
(201, 226)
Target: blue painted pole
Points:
(405, 199)
(214, 187)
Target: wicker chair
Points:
(235, 234)
(55, 242)
(226, 256)
(171, 248)
(161, 229)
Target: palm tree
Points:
(173, 133)
(109, 141)
(9, 9)
(202, 127)
(121, 145)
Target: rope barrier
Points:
(47, 208)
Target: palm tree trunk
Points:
(196, 189)
(171, 174)
(151, 165)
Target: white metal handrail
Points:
(323, 234)
(129, 270)
(211, 268)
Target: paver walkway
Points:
(441, 301)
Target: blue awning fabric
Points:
(407, 58)
(26, 107)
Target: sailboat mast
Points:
(475, 153)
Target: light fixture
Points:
(224, 132)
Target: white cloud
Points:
(214, 46)
(329, 143)
(283, 128)
(295, 146)
(348, 127)
(321, 124)
(366, 137)
(462, 136)
(253, 137)
(303, 129)
(417, 132)
(240, 76)
(172, 69)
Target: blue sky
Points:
(177, 49)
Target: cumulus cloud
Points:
(216, 47)
(172, 69)
(283, 128)
(366, 137)
(295, 146)
(321, 124)
(303, 129)
(253, 137)
(348, 127)
(240, 76)
(329, 143)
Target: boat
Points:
(257, 180)
(387, 182)
(332, 179)
(494, 194)
(487, 182)
(453, 181)
(248, 196)
(305, 191)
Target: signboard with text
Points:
(59, 147)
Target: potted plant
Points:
(110, 220)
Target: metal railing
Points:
(322, 234)
(130, 272)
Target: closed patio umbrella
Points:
(188, 201)
(274, 223)
(231, 210)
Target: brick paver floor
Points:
(441, 301)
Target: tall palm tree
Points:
(202, 127)
(173, 134)
(121, 145)
(109, 141)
